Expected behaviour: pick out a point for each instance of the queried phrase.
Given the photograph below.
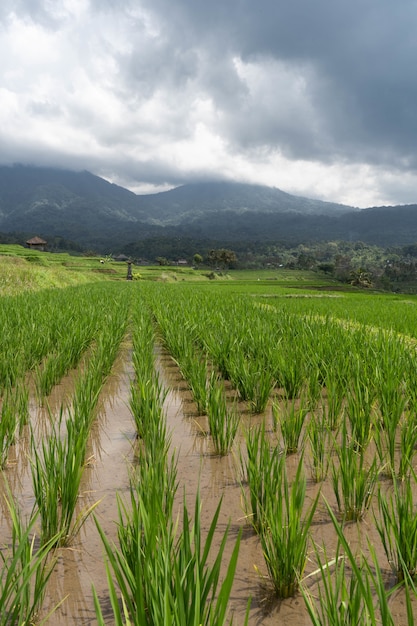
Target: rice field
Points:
(207, 453)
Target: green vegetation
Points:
(291, 379)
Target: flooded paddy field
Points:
(112, 452)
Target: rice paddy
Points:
(196, 454)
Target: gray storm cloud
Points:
(316, 98)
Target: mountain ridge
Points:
(96, 213)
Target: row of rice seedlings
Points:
(277, 511)
(165, 572)
(179, 342)
(143, 341)
(334, 400)
(34, 325)
(56, 364)
(49, 331)
(24, 571)
(58, 461)
(223, 419)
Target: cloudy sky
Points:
(318, 98)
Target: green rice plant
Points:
(261, 469)
(173, 579)
(146, 404)
(397, 526)
(252, 378)
(291, 419)
(223, 420)
(319, 439)
(408, 445)
(392, 402)
(24, 572)
(47, 375)
(285, 532)
(352, 590)
(387, 426)
(359, 412)
(335, 394)
(314, 384)
(291, 371)
(14, 415)
(8, 426)
(195, 371)
(353, 479)
(340, 600)
(57, 466)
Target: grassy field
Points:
(21, 269)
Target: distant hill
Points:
(95, 213)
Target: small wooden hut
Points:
(36, 243)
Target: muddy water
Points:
(110, 452)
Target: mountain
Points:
(92, 212)
(198, 200)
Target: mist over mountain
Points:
(94, 213)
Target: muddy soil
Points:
(112, 450)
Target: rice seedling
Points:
(195, 371)
(319, 439)
(359, 412)
(397, 526)
(351, 591)
(387, 426)
(353, 480)
(408, 445)
(285, 532)
(261, 469)
(252, 378)
(57, 466)
(335, 393)
(291, 419)
(146, 404)
(341, 600)
(8, 426)
(223, 420)
(290, 372)
(173, 577)
(24, 571)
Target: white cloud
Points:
(152, 94)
